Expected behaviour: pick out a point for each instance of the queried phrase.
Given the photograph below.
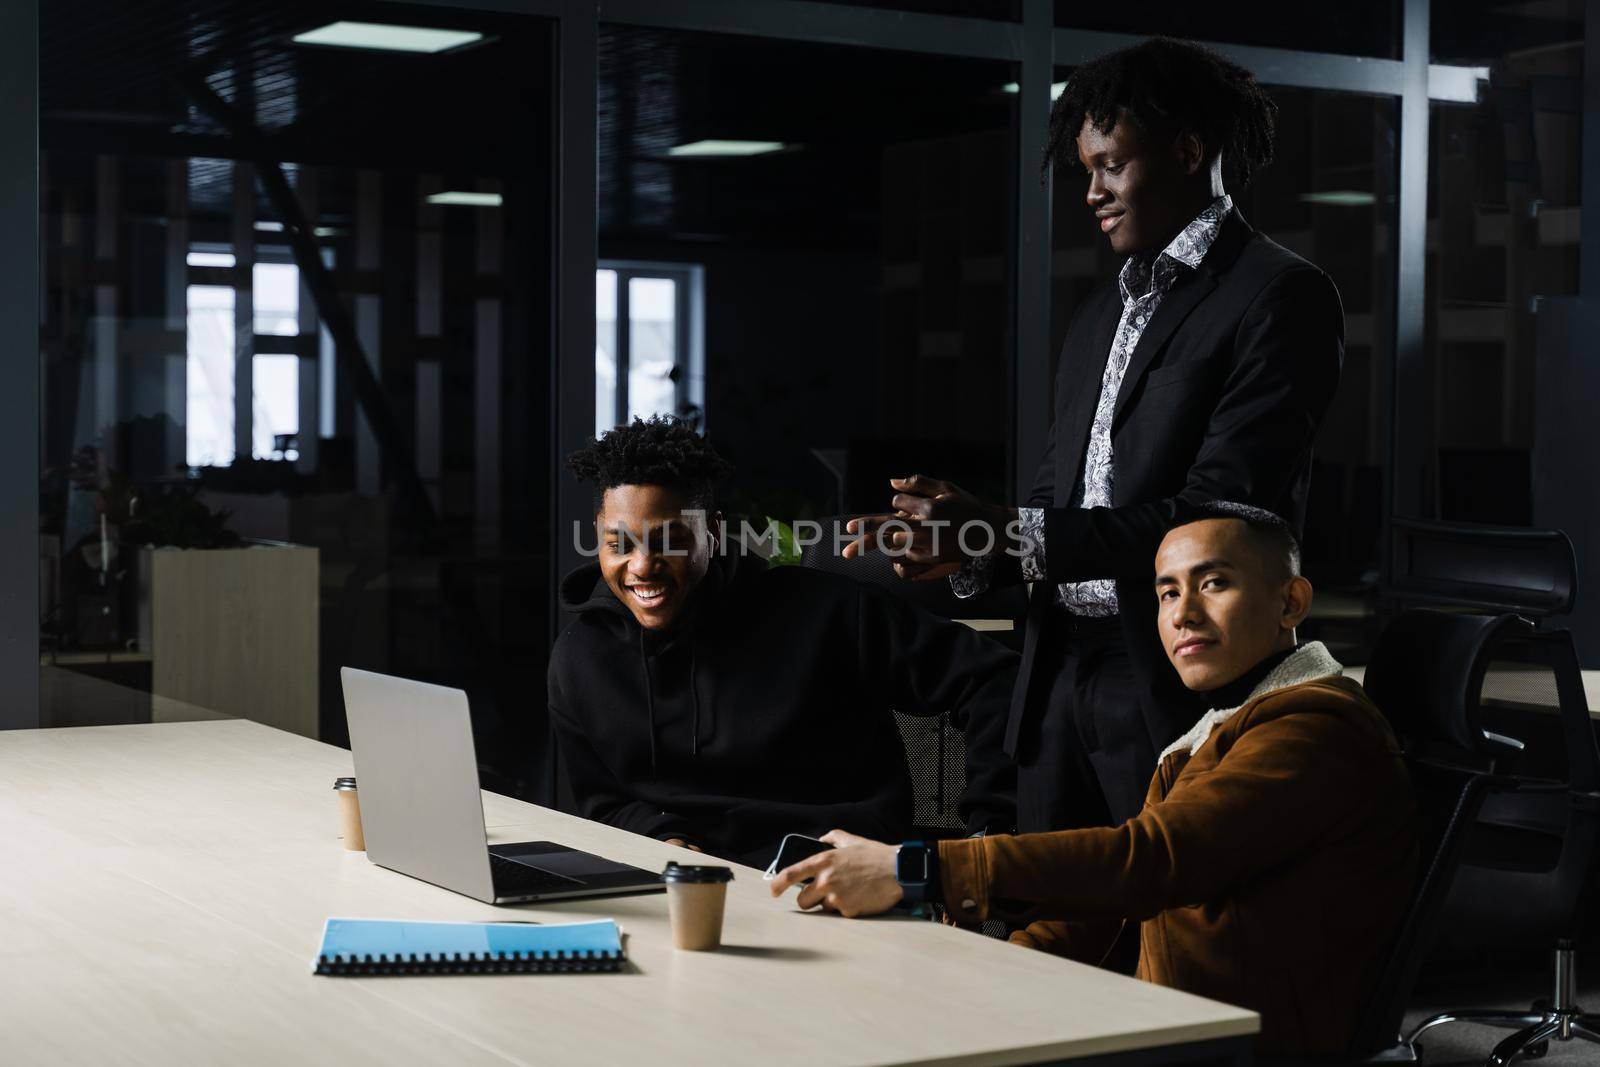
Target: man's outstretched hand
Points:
(935, 527)
(854, 878)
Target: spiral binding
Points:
(564, 962)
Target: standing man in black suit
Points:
(1199, 373)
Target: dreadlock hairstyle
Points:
(1169, 87)
(660, 450)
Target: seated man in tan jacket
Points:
(1277, 849)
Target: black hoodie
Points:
(766, 708)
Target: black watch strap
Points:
(917, 871)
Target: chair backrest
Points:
(1420, 677)
(1488, 568)
(1426, 675)
(1535, 840)
(936, 755)
(1489, 833)
(935, 748)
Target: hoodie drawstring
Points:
(650, 695)
(649, 698)
(694, 695)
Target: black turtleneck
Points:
(1238, 691)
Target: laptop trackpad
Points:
(558, 859)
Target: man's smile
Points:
(649, 594)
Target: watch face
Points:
(911, 864)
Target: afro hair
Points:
(660, 450)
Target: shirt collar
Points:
(1188, 248)
(1191, 246)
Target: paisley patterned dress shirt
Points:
(1144, 282)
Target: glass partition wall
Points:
(327, 313)
(836, 218)
(1505, 204)
(295, 312)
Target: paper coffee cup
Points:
(696, 896)
(350, 815)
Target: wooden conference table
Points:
(163, 888)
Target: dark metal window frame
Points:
(1034, 44)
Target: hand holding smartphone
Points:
(791, 850)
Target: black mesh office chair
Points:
(1425, 675)
(1510, 866)
(935, 752)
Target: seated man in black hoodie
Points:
(698, 693)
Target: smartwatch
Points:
(914, 868)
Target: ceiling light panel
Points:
(724, 149)
(462, 198)
(382, 37)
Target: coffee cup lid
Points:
(691, 873)
(344, 783)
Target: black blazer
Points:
(1221, 401)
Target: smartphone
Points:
(793, 849)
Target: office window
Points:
(275, 381)
(274, 384)
(276, 298)
(208, 409)
(275, 406)
(647, 346)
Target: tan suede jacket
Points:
(1270, 868)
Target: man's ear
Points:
(1296, 602)
(1191, 152)
(714, 523)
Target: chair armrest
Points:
(1586, 801)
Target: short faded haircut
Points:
(1268, 533)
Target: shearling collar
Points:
(1306, 664)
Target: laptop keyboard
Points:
(513, 879)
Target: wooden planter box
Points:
(234, 630)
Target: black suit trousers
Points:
(1071, 770)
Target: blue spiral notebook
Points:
(384, 947)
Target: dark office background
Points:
(885, 282)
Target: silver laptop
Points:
(422, 812)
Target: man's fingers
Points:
(866, 530)
(840, 838)
(872, 535)
(810, 896)
(920, 484)
(924, 572)
(799, 872)
(917, 507)
(861, 531)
